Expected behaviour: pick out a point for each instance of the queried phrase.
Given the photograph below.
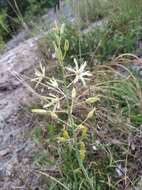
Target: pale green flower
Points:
(54, 101)
(40, 75)
(79, 72)
(53, 82)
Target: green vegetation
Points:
(120, 34)
(118, 11)
(90, 116)
(14, 14)
(90, 11)
(99, 45)
(3, 28)
(91, 121)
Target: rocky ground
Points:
(15, 143)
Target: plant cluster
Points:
(97, 46)
(121, 33)
(91, 121)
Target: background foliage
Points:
(12, 12)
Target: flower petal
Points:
(76, 64)
(82, 67)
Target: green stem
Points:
(84, 170)
(66, 90)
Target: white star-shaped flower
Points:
(79, 72)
